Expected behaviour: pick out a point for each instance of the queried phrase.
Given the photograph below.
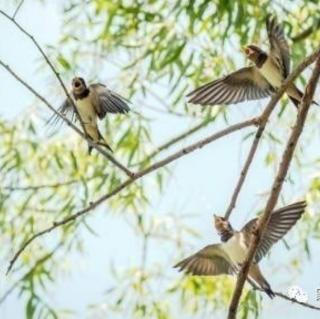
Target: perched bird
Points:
(93, 102)
(254, 82)
(227, 257)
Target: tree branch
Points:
(85, 135)
(264, 119)
(52, 185)
(177, 139)
(38, 263)
(276, 187)
(142, 173)
(17, 9)
(307, 32)
(75, 128)
(294, 300)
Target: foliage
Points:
(152, 51)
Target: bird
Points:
(93, 102)
(257, 81)
(228, 256)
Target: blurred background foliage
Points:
(152, 52)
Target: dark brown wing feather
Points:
(279, 47)
(106, 101)
(209, 261)
(281, 221)
(65, 109)
(243, 85)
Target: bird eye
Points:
(77, 84)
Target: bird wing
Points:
(209, 261)
(279, 48)
(106, 101)
(66, 108)
(281, 221)
(242, 85)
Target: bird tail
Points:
(100, 142)
(256, 275)
(295, 101)
(267, 289)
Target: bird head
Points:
(78, 85)
(221, 224)
(253, 52)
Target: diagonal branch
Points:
(128, 182)
(85, 135)
(276, 187)
(38, 263)
(50, 185)
(293, 300)
(177, 139)
(147, 170)
(17, 9)
(74, 127)
(264, 119)
(307, 32)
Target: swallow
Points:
(93, 102)
(257, 81)
(228, 256)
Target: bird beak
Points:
(246, 50)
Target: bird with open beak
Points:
(228, 256)
(254, 82)
(93, 102)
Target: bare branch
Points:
(307, 32)
(294, 300)
(52, 185)
(85, 135)
(177, 139)
(276, 187)
(148, 170)
(264, 119)
(17, 9)
(38, 263)
(75, 128)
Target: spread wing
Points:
(281, 221)
(209, 261)
(243, 85)
(106, 101)
(279, 47)
(66, 108)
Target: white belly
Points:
(86, 110)
(271, 73)
(236, 249)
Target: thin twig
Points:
(294, 300)
(39, 262)
(142, 173)
(17, 9)
(177, 139)
(74, 127)
(52, 185)
(276, 187)
(85, 135)
(264, 119)
(55, 72)
(307, 32)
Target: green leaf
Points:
(64, 62)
